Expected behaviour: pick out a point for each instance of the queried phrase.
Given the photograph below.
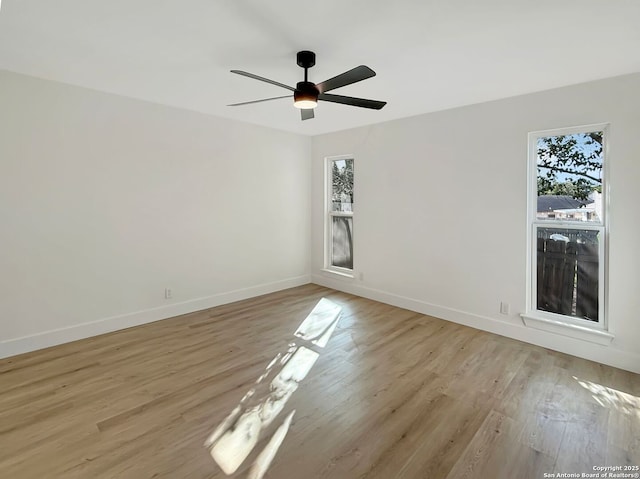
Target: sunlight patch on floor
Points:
(320, 324)
(235, 438)
(612, 398)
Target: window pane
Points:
(569, 177)
(342, 185)
(567, 271)
(342, 237)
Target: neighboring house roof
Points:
(558, 202)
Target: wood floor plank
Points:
(496, 452)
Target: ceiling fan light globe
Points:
(305, 104)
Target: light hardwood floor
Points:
(394, 394)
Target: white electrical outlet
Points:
(167, 293)
(504, 308)
(361, 276)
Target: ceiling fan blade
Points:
(260, 101)
(349, 100)
(256, 77)
(306, 114)
(347, 78)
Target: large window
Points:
(339, 207)
(567, 221)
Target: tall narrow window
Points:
(339, 201)
(567, 208)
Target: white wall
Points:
(105, 201)
(440, 212)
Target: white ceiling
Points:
(429, 54)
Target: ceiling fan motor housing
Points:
(306, 90)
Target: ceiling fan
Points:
(306, 94)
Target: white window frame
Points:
(329, 215)
(554, 322)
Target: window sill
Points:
(338, 273)
(597, 336)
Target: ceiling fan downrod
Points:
(306, 93)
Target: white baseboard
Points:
(512, 327)
(54, 337)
